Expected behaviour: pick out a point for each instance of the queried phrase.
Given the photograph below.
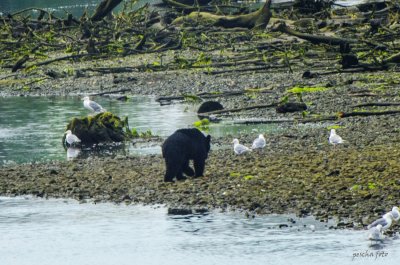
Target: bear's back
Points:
(192, 133)
(191, 142)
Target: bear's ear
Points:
(208, 138)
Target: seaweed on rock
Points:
(104, 127)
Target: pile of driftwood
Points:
(364, 40)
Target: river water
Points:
(47, 232)
(31, 128)
(76, 7)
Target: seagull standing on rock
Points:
(92, 106)
(259, 142)
(238, 148)
(385, 221)
(334, 138)
(71, 139)
(395, 213)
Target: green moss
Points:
(334, 127)
(248, 177)
(296, 90)
(234, 174)
(202, 124)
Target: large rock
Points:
(291, 107)
(104, 127)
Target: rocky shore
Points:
(297, 173)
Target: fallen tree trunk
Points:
(104, 8)
(368, 113)
(378, 104)
(210, 95)
(207, 114)
(319, 119)
(395, 58)
(110, 92)
(257, 19)
(246, 122)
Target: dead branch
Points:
(111, 92)
(368, 113)
(315, 39)
(262, 106)
(376, 104)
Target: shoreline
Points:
(305, 180)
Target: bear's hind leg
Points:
(180, 167)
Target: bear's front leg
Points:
(199, 167)
(171, 171)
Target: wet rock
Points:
(118, 80)
(53, 171)
(180, 211)
(104, 127)
(309, 74)
(291, 107)
(209, 106)
(201, 210)
(348, 60)
(54, 74)
(122, 98)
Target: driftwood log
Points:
(376, 104)
(257, 19)
(211, 95)
(315, 39)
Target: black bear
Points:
(182, 146)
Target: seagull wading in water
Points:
(92, 106)
(375, 233)
(238, 148)
(334, 138)
(71, 139)
(259, 142)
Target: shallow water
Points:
(37, 231)
(31, 128)
(59, 7)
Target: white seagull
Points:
(396, 213)
(73, 152)
(334, 138)
(238, 148)
(385, 221)
(92, 106)
(259, 142)
(375, 233)
(71, 139)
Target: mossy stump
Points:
(104, 127)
